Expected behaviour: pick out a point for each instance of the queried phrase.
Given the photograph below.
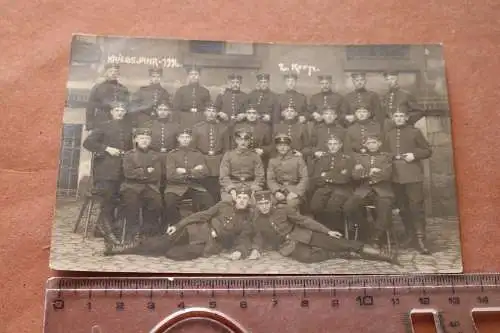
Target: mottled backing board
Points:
(421, 75)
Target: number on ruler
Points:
(304, 303)
(212, 304)
(58, 304)
(243, 304)
(151, 306)
(120, 306)
(454, 300)
(335, 303)
(364, 300)
(424, 300)
(395, 301)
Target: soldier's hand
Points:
(254, 255)
(334, 234)
(259, 151)
(236, 255)
(113, 151)
(317, 116)
(171, 230)
(318, 154)
(409, 157)
(150, 169)
(180, 171)
(302, 119)
(297, 153)
(223, 116)
(233, 194)
(279, 196)
(358, 167)
(350, 118)
(241, 116)
(266, 117)
(213, 233)
(323, 174)
(344, 172)
(199, 167)
(292, 196)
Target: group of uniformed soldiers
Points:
(327, 156)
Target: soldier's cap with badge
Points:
(192, 68)
(372, 137)
(155, 69)
(358, 74)
(325, 78)
(291, 74)
(243, 133)
(361, 106)
(263, 76)
(119, 104)
(333, 137)
(263, 196)
(142, 131)
(234, 76)
(328, 108)
(282, 138)
(185, 131)
(243, 190)
(167, 102)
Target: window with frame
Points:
(220, 48)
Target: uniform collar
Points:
(290, 122)
(361, 90)
(395, 89)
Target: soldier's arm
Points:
(272, 184)
(377, 108)
(94, 143)
(131, 170)
(259, 172)
(358, 173)
(341, 174)
(422, 149)
(203, 216)
(92, 104)
(303, 111)
(203, 172)
(226, 139)
(225, 172)
(218, 102)
(156, 165)
(415, 112)
(205, 98)
(243, 241)
(305, 222)
(170, 170)
(318, 168)
(303, 177)
(177, 101)
(267, 141)
(386, 167)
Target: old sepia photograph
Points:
(197, 156)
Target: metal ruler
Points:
(378, 304)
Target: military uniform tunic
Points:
(293, 97)
(358, 132)
(261, 134)
(190, 102)
(397, 98)
(367, 98)
(296, 131)
(186, 158)
(100, 100)
(212, 139)
(144, 102)
(322, 132)
(231, 102)
(241, 167)
(328, 98)
(287, 174)
(266, 102)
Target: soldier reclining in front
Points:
(224, 226)
(300, 237)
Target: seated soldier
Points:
(141, 188)
(224, 226)
(300, 237)
(108, 142)
(363, 127)
(374, 171)
(261, 131)
(331, 181)
(296, 130)
(185, 171)
(287, 176)
(240, 167)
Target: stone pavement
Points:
(70, 252)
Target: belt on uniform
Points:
(288, 183)
(242, 179)
(213, 153)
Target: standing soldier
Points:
(260, 140)
(164, 132)
(265, 100)
(361, 95)
(292, 96)
(232, 102)
(241, 167)
(332, 175)
(397, 98)
(296, 130)
(147, 98)
(287, 175)
(409, 148)
(141, 188)
(103, 95)
(185, 171)
(108, 142)
(190, 100)
(212, 138)
(363, 127)
(373, 169)
(300, 237)
(327, 98)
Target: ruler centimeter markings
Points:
(271, 303)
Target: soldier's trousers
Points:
(151, 203)
(200, 201)
(109, 191)
(213, 187)
(410, 201)
(328, 206)
(355, 209)
(322, 246)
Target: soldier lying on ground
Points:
(300, 237)
(225, 226)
